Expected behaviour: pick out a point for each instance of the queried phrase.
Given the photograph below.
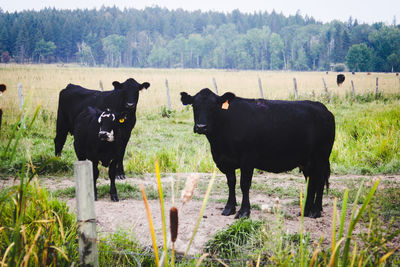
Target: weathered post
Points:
(326, 91)
(168, 96)
(376, 89)
(354, 91)
(260, 87)
(215, 86)
(101, 85)
(21, 101)
(296, 96)
(84, 188)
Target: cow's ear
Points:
(144, 85)
(186, 98)
(117, 85)
(3, 87)
(226, 97)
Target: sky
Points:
(365, 11)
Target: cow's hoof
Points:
(242, 214)
(120, 177)
(315, 215)
(306, 214)
(114, 198)
(229, 210)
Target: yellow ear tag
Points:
(225, 105)
(121, 120)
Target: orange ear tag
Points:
(225, 105)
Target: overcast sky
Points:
(368, 11)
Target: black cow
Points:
(274, 136)
(3, 88)
(95, 134)
(340, 79)
(74, 99)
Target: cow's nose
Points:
(130, 105)
(103, 136)
(200, 128)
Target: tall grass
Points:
(268, 240)
(35, 229)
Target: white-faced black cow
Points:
(74, 99)
(3, 88)
(95, 134)
(274, 136)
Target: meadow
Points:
(367, 135)
(367, 141)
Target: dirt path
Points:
(130, 214)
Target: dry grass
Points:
(45, 81)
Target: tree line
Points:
(158, 37)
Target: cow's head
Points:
(131, 90)
(3, 87)
(107, 122)
(206, 107)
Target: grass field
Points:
(45, 82)
(367, 136)
(367, 142)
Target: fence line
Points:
(215, 85)
(260, 87)
(84, 186)
(21, 102)
(168, 96)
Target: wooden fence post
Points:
(260, 87)
(168, 96)
(84, 188)
(101, 85)
(21, 102)
(376, 89)
(296, 96)
(354, 91)
(215, 86)
(326, 91)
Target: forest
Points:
(161, 38)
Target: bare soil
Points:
(130, 214)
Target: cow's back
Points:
(273, 134)
(73, 100)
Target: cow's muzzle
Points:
(200, 128)
(130, 105)
(106, 136)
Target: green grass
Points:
(367, 141)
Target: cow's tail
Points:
(327, 174)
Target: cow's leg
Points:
(230, 207)
(246, 174)
(309, 174)
(61, 135)
(95, 176)
(311, 192)
(120, 173)
(113, 189)
(323, 179)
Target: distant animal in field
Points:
(353, 73)
(340, 79)
(270, 135)
(74, 99)
(95, 138)
(3, 88)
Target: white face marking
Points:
(110, 135)
(106, 115)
